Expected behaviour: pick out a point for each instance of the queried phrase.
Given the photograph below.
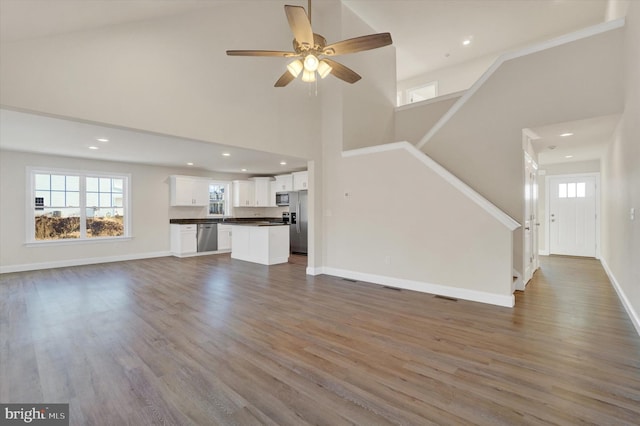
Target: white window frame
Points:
(83, 174)
(227, 198)
(422, 86)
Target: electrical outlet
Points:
(387, 260)
(632, 213)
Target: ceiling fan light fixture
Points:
(311, 63)
(308, 76)
(295, 68)
(324, 69)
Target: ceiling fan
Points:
(312, 51)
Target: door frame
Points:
(547, 207)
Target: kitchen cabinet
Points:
(184, 240)
(188, 191)
(244, 193)
(300, 181)
(283, 183)
(224, 237)
(262, 187)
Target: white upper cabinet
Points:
(300, 181)
(244, 193)
(283, 183)
(262, 187)
(188, 191)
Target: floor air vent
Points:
(453, 299)
(350, 280)
(392, 288)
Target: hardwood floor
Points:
(211, 340)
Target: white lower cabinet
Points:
(224, 237)
(184, 239)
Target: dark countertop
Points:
(254, 221)
(259, 223)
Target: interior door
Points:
(572, 215)
(530, 251)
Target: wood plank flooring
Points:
(214, 341)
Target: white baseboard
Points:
(79, 262)
(423, 287)
(543, 252)
(633, 315)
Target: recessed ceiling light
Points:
(283, 163)
(564, 135)
(102, 140)
(226, 154)
(189, 164)
(93, 147)
(568, 156)
(466, 42)
(244, 170)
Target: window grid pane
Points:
(571, 190)
(61, 215)
(562, 190)
(581, 190)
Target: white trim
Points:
(79, 262)
(543, 252)
(423, 287)
(547, 207)
(485, 204)
(633, 315)
(314, 271)
(517, 284)
(202, 253)
(538, 47)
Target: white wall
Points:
(576, 167)
(150, 211)
(621, 182)
(171, 76)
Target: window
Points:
(422, 93)
(78, 206)
(572, 190)
(219, 194)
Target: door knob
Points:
(527, 228)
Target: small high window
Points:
(422, 93)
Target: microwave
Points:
(282, 198)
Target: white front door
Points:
(572, 215)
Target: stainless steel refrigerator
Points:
(298, 221)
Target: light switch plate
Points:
(632, 213)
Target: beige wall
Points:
(450, 79)
(171, 76)
(150, 211)
(621, 180)
(368, 105)
(391, 216)
(415, 120)
(482, 142)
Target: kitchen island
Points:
(260, 242)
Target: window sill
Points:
(98, 240)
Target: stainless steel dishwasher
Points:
(207, 237)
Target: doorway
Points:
(572, 214)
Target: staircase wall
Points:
(481, 142)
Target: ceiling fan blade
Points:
(358, 44)
(300, 25)
(261, 53)
(284, 79)
(342, 72)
